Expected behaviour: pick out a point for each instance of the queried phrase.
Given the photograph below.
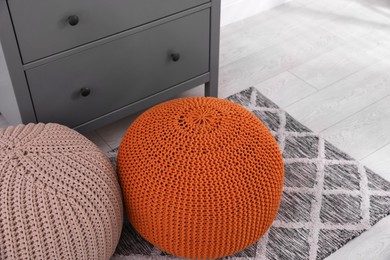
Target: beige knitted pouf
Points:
(59, 196)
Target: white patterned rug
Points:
(328, 197)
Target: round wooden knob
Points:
(175, 57)
(85, 92)
(73, 20)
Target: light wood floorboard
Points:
(371, 245)
(369, 126)
(293, 89)
(344, 98)
(379, 161)
(98, 140)
(112, 134)
(335, 65)
(269, 62)
(254, 34)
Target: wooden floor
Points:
(327, 63)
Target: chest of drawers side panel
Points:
(16, 104)
(211, 87)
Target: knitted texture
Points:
(201, 177)
(59, 196)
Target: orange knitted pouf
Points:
(201, 177)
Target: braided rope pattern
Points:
(201, 177)
(59, 196)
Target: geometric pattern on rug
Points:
(328, 197)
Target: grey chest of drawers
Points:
(87, 63)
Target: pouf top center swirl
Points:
(200, 119)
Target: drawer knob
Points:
(175, 56)
(85, 91)
(73, 20)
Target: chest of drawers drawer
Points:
(46, 27)
(120, 72)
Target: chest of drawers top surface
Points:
(47, 27)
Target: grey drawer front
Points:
(120, 72)
(42, 28)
